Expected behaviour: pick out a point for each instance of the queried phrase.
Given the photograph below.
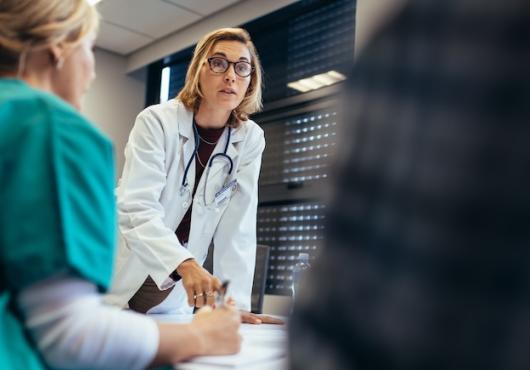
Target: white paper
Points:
(261, 343)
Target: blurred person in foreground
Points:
(429, 227)
(57, 223)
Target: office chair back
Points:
(260, 278)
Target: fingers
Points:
(204, 310)
(250, 318)
(206, 290)
(210, 298)
(233, 314)
(190, 291)
(271, 320)
(199, 298)
(206, 298)
(203, 292)
(216, 284)
(211, 290)
(232, 308)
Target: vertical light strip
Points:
(164, 86)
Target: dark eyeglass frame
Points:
(228, 65)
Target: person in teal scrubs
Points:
(57, 215)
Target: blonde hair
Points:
(191, 94)
(33, 25)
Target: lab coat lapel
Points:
(187, 138)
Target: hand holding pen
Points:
(219, 327)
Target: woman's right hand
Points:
(201, 286)
(212, 332)
(218, 330)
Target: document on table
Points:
(261, 343)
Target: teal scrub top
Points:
(57, 208)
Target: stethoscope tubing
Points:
(210, 162)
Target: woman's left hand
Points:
(252, 318)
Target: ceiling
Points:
(128, 25)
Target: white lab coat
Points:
(150, 207)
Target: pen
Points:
(220, 299)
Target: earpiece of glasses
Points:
(220, 65)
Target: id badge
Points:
(226, 192)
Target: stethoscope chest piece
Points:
(184, 193)
(183, 190)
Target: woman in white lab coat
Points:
(191, 177)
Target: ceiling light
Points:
(298, 86)
(317, 81)
(93, 2)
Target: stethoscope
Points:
(184, 187)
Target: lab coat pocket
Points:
(201, 219)
(211, 217)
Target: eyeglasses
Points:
(220, 65)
